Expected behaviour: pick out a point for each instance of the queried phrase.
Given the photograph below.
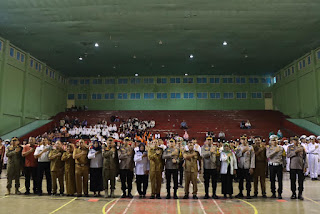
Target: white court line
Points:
(125, 211)
(112, 205)
(201, 205)
(214, 200)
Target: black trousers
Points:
(276, 171)
(207, 174)
(244, 174)
(293, 179)
(174, 174)
(181, 172)
(227, 182)
(96, 180)
(30, 172)
(44, 167)
(142, 180)
(126, 177)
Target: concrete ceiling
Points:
(271, 33)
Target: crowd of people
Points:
(157, 160)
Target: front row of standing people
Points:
(104, 163)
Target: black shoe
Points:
(79, 195)
(273, 196)
(130, 195)
(248, 197)
(140, 196)
(158, 197)
(279, 196)
(143, 196)
(168, 196)
(175, 196)
(224, 195)
(123, 195)
(185, 197)
(293, 196)
(152, 197)
(264, 196)
(40, 194)
(215, 196)
(230, 196)
(86, 195)
(300, 197)
(195, 197)
(27, 193)
(206, 196)
(240, 195)
(255, 195)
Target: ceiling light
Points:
(246, 56)
(191, 56)
(162, 66)
(114, 66)
(186, 74)
(224, 43)
(160, 42)
(134, 56)
(80, 58)
(136, 75)
(96, 45)
(212, 66)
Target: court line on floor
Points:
(213, 199)
(125, 211)
(304, 197)
(201, 206)
(104, 207)
(104, 212)
(178, 203)
(251, 205)
(56, 210)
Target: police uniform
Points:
(246, 161)
(13, 167)
(69, 169)
(191, 172)
(171, 168)
(110, 170)
(57, 170)
(298, 164)
(277, 162)
(210, 164)
(156, 168)
(126, 166)
(82, 171)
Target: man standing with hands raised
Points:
(277, 163)
(246, 165)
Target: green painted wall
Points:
(168, 104)
(27, 93)
(298, 94)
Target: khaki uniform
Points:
(110, 168)
(57, 169)
(13, 167)
(260, 169)
(191, 171)
(69, 169)
(156, 168)
(82, 171)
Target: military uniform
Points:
(171, 169)
(191, 172)
(156, 168)
(110, 169)
(298, 163)
(13, 167)
(210, 164)
(276, 162)
(57, 169)
(69, 168)
(126, 166)
(260, 169)
(82, 171)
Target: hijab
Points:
(98, 148)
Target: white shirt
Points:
(224, 163)
(96, 161)
(142, 163)
(45, 156)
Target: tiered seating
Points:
(200, 122)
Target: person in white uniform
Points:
(313, 149)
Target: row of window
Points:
(35, 65)
(137, 96)
(15, 54)
(289, 71)
(177, 80)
